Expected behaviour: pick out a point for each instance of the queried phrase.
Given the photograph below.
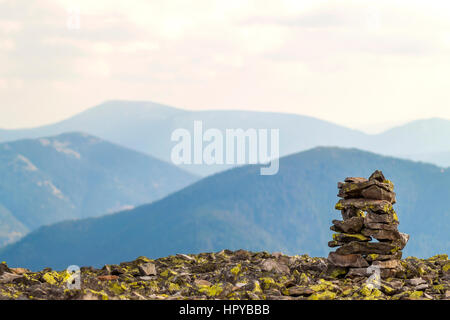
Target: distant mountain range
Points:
(147, 127)
(76, 175)
(238, 208)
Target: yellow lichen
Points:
(339, 206)
(267, 282)
(373, 256)
(326, 295)
(416, 294)
(211, 291)
(236, 270)
(50, 277)
(174, 287)
(446, 267)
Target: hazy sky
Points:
(364, 64)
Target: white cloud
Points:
(374, 60)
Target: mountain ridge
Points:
(238, 208)
(147, 127)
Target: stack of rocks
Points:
(367, 212)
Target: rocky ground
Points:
(229, 275)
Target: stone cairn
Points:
(367, 212)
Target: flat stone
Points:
(107, 277)
(372, 217)
(349, 237)
(355, 179)
(421, 287)
(352, 225)
(185, 256)
(200, 282)
(348, 260)
(378, 193)
(380, 226)
(367, 189)
(381, 234)
(416, 281)
(299, 291)
(147, 269)
(334, 243)
(366, 248)
(382, 257)
(388, 264)
(381, 206)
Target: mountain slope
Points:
(76, 176)
(239, 208)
